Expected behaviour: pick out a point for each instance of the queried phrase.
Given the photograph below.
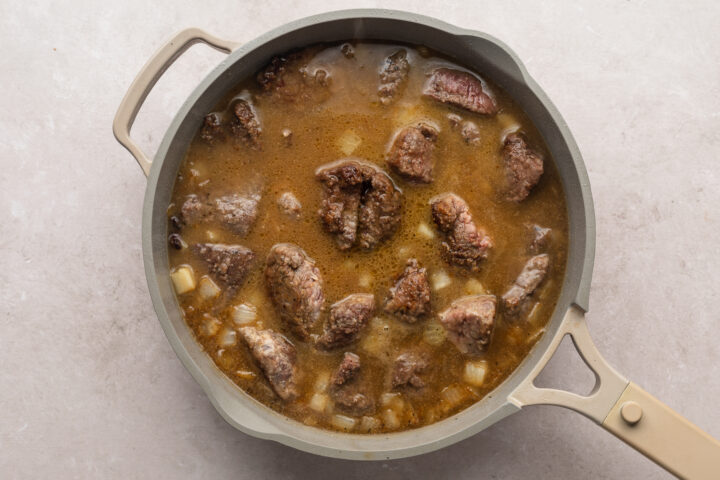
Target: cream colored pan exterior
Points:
(615, 403)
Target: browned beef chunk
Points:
(410, 154)
(469, 322)
(212, 129)
(407, 370)
(461, 89)
(465, 244)
(277, 359)
(228, 264)
(523, 167)
(393, 74)
(347, 319)
(245, 124)
(409, 298)
(287, 77)
(347, 370)
(295, 286)
(176, 241)
(360, 203)
(529, 279)
(289, 205)
(470, 133)
(237, 212)
(345, 390)
(540, 239)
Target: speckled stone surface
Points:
(89, 387)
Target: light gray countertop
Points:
(89, 387)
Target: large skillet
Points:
(615, 403)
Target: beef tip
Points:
(176, 241)
(392, 76)
(469, 322)
(295, 286)
(351, 401)
(461, 89)
(533, 273)
(237, 212)
(288, 78)
(347, 319)
(228, 264)
(540, 239)
(361, 205)
(212, 129)
(410, 154)
(409, 298)
(277, 359)
(470, 133)
(465, 244)
(407, 369)
(523, 167)
(245, 124)
(289, 205)
(347, 370)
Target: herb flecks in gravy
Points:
(367, 237)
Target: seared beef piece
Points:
(409, 298)
(410, 154)
(460, 89)
(289, 205)
(470, 133)
(245, 124)
(212, 129)
(360, 203)
(407, 370)
(523, 167)
(465, 244)
(287, 77)
(344, 390)
(540, 239)
(228, 264)
(347, 319)
(175, 241)
(347, 370)
(277, 359)
(392, 76)
(295, 286)
(531, 276)
(469, 322)
(237, 212)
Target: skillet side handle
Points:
(625, 410)
(148, 77)
(661, 434)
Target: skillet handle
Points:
(148, 77)
(627, 411)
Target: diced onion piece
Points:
(207, 288)
(319, 402)
(310, 421)
(403, 251)
(390, 419)
(245, 374)
(440, 280)
(474, 287)
(474, 373)
(212, 236)
(508, 123)
(434, 333)
(349, 265)
(393, 401)
(377, 342)
(454, 395)
(533, 313)
(322, 381)
(406, 113)
(244, 314)
(224, 359)
(369, 424)
(348, 142)
(210, 325)
(227, 338)
(365, 280)
(425, 231)
(183, 280)
(343, 422)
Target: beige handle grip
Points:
(626, 410)
(148, 77)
